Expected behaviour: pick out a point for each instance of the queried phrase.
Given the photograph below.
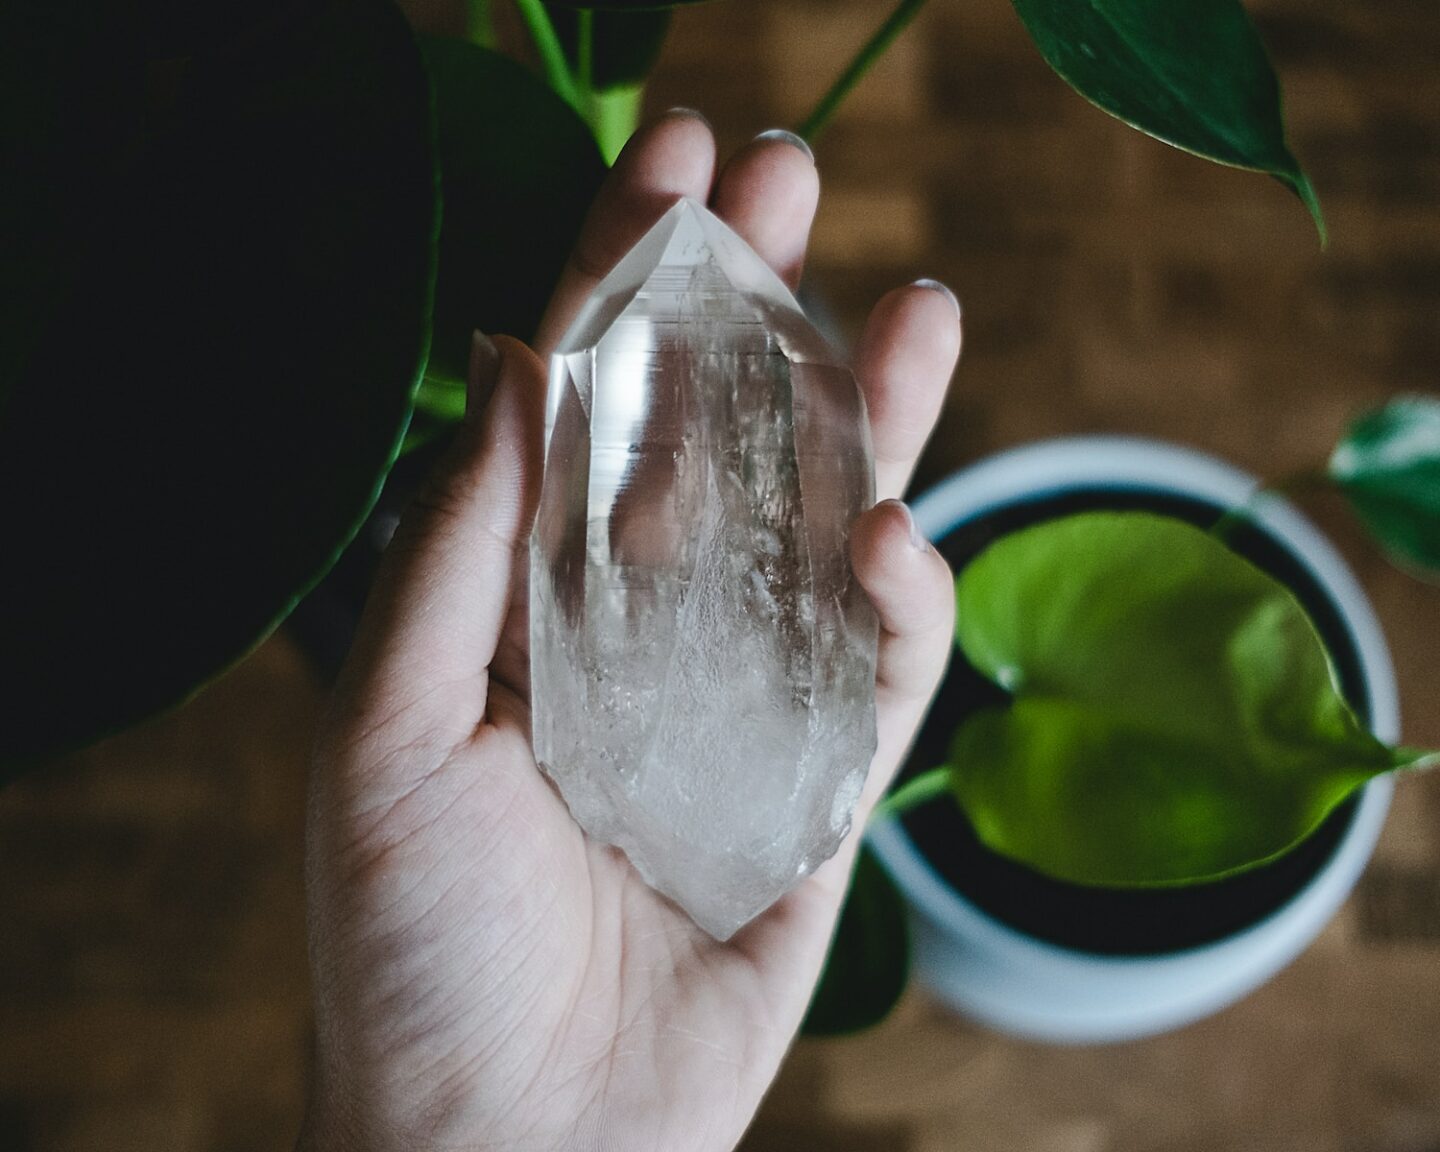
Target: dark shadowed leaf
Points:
(220, 232)
(1388, 465)
(519, 169)
(1193, 73)
(869, 960)
(1175, 716)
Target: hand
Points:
(486, 977)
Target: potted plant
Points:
(1143, 906)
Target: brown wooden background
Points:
(152, 986)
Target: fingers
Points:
(903, 362)
(440, 600)
(910, 586)
(671, 157)
(768, 193)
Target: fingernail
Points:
(917, 538)
(693, 114)
(936, 286)
(484, 369)
(484, 356)
(785, 136)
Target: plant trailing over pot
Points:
(301, 217)
(1155, 712)
(1172, 715)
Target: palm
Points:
(628, 1010)
(488, 977)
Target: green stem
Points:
(417, 438)
(442, 399)
(1416, 759)
(614, 117)
(870, 52)
(1234, 519)
(914, 792)
(1242, 515)
(552, 53)
(613, 114)
(480, 23)
(585, 51)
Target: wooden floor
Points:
(152, 986)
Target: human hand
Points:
(485, 977)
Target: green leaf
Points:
(519, 169)
(1193, 73)
(1174, 718)
(220, 234)
(869, 960)
(624, 47)
(441, 400)
(1388, 466)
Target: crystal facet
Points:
(703, 660)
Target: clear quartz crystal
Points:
(702, 658)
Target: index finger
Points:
(903, 363)
(671, 157)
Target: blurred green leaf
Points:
(441, 400)
(1174, 716)
(220, 234)
(625, 44)
(1388, 466)
(1193, 73)
(869, 960)
(519, 169)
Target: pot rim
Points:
(1052, 467)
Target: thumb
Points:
(440, 600)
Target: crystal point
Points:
(702, 658)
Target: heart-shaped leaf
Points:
(1174, 714)
(1193, 73)
(519, 169)
(1388, 466)
(869, 960)
(220, 235)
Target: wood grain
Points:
(152, 987)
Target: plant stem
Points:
(417, 438)
(585, 51)
(1233, 519)
(614, 117)
(613, 113)
(479, 23)
(1416, 759)
(1241, 515)
(919, 790)
(442, 399)
(552, 53)
(870, 52)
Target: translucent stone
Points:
(703, 660)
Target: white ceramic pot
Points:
(1022, 985)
